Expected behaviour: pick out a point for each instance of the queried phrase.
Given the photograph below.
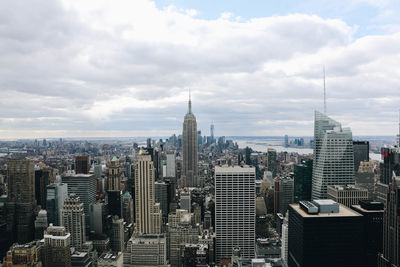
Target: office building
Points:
(56, 250)
(146, 250)
(127, 208)
(82, 165)
(271, 154)
(40, 224)
(390, 255)
(361, 153)
(333, 158)
(117, 234)
(97, 213)
(389, 167)
(56, 194)
(235, 210)
(171, 164)
(302, 181)
(365, 177)
(114, 176)
(189, 176)
(23, 255)
(144, 194)
(185, 202)
(83, 186)
(73, 219)
(324, 233)
(373, 224)
(21, 202)
(114, 203)
(347, 195)
(161, 196)
(283, 193)
(43, 178)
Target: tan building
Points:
(146, 250)
(346, 195)
(114, 176)
(73, 219)
(57, 247)
(148, 214)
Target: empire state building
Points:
(189, 142)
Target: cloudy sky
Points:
(96, 68)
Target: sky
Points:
(123, 68)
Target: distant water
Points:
(261, 145)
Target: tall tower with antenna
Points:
(398, 136)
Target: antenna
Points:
(398, 137)
(324, 93)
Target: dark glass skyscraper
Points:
(361, 153)
(302, 180)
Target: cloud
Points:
(91, 67)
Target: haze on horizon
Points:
(86, 68)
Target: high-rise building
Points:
(271, 153)
(21, 201)
(189, 149)
(144, 194)
(325, 233)
(97, 213)
(178, 236)
(161, 196)
(284, 189)
(117, 234)
(146, 250)
(390, 255)
(347, 195)
(127, 208)
(365, 177)
(73, 219)
(235, 210)
(286, 140)
(56, 247)
(43, 177)
(56, 194)
(185, 202)
(361, 153)
(83, 186)
(373, 224)
(114, 203)
(302, 181)
(389, 167)
(171, 164)
(114, 177)
(333, 162)
(212, 133)
(40, 224)
(82, 164)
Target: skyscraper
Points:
(82, 164)
(361, 153)
(57, 247)
(235, 210)
(56, 194)
(390, 255)
(114, 179)
(171, 164)
(302, 180)
(73, 219)
(21, 201)
(325, 233)
(272, 161)
(189, 150)
(389, 167)
(84, 186)
(144, 194)
(333, 158)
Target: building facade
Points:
(73, 219)
(235, 210)
(333, 158)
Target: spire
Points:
(398, 136)
(190, 102)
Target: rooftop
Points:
(343, 210)
(235, 169)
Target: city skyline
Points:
(96, 70)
